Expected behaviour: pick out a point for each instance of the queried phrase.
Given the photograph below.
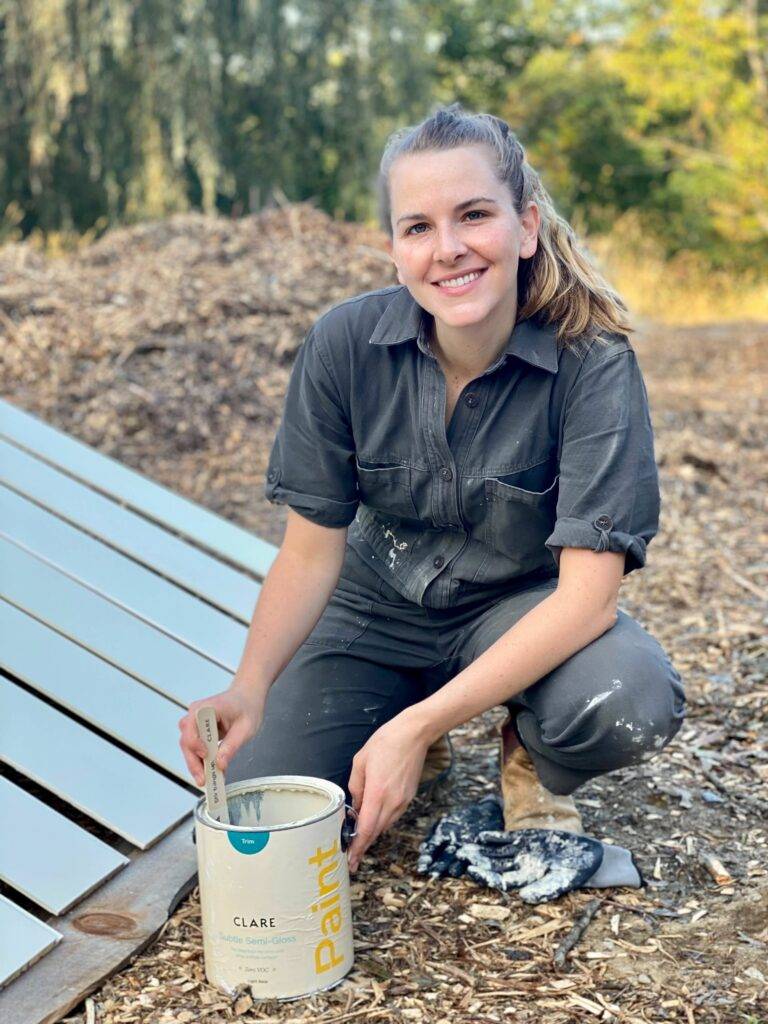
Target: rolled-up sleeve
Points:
(608, 497)
(312, 463)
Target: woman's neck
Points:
(466, 352)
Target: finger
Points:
(194, 764)
(444, 863)
(234, 739)
(456, 868)
(436, 840)
(550, 887)
(486, 877)
(496, 837)
(367, 828)
(190, 735)
(356, 784)
(193, 750)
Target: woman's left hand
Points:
(384, 779)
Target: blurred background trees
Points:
(649, 115)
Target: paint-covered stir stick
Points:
(216, 800)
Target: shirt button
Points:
(471, 400)
(446, 473)
(603, 522)
(272, 475)
(439, 562)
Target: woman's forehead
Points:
(443, 177)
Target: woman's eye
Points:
(421, 224)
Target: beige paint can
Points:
(274, 887)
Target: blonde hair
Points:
(559, 283)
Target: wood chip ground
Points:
(168, 346)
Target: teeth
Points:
(457, 282)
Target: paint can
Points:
(274, 887)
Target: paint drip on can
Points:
(274, 887)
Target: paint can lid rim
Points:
(335, 794)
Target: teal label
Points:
(248, 842)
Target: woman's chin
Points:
(468, 316)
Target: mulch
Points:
(168, 346)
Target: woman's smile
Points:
(459, 284)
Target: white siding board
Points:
(106, 629)
(88, 771)
(104, 696)
(200, 573)
(23, 940)
(51, 860)
(133, 586)
(137, 491)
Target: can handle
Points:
(348, 826)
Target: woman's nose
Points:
(448, 246)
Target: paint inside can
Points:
(273, 806)
(274, 888)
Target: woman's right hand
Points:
(238, 715)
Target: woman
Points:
(468, 460)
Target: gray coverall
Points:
(454, 534)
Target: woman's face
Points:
(465, 223)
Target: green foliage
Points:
(121, 110)
(667, 117)
(132, 109)
(570, 113)
(696, 78)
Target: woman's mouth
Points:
(460, 285)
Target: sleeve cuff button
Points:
(603, 522)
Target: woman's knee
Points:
(615, 703)
(647, 715)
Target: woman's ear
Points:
(530, 221)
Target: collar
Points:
(403, 320)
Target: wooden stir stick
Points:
(215, 795)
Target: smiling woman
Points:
(469, 455)
(506, 230)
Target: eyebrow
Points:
(456, 209)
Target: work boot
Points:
(527, 803)
(437, 763)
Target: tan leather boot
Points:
(527, 803)
(437, 763)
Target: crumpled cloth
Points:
(542, 864)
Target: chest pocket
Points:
(521, 512)
(386, 487)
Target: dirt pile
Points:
(168, 346)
